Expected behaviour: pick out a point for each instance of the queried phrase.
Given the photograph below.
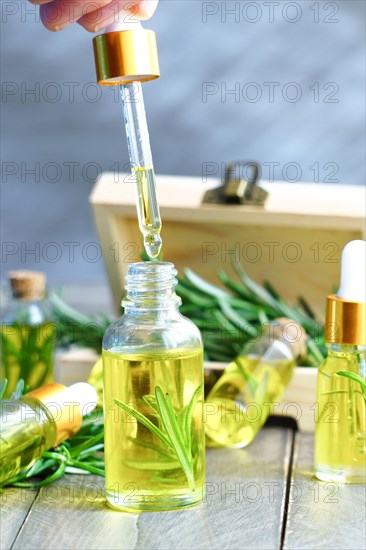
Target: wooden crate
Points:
(294, 241)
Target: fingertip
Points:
(146, 9)
(87, 25)
(50, 23)
(53, 25)
(40, 2)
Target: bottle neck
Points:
(27, 312)
(271, 349)
(151, 288)
(335, 349)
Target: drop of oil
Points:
(153, 242)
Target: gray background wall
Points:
(68, 130)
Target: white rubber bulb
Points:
(126, 22)
(353, 272)
(84, 395)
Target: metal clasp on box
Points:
(238, 189)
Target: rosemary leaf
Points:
(3, 385)
(204, 286)
(151, 401)
(146, 445)
(235, 318)
(170, 424)
(355, 377)
(145, 421)
(263, 295)
(187, 422)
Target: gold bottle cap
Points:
(346, 312)
(66, 405)
(345, 322)
(27, 285)
(126, 56)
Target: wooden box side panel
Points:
(294, 242)
(301, 261)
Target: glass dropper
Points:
(126, 55)
(142, 166)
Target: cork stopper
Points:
(290, 332)
(27, 285)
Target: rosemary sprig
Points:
(176, 432)
(229, 318)
(169, 421)
(146, 422)
(356, 378)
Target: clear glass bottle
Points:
(40, 420)
(242, 399)
(153, 397)
(340, 433)
(28, 333)
(340, 423)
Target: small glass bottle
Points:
(153, 397)
(28, 333)
(40, 420)
(244, 396)
(340, 428)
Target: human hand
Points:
(92, 15)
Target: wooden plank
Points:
(308, 204)
(322, 515)
(15, 505)
(243, 507)
(72, 513)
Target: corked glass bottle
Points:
(28, 333)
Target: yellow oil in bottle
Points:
(24, 435)
(340, 430)
(148, 210)
(242, 399)
(146, 471)
(27, 353)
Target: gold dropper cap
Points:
(345, 322)
(346, 311)
(67, 417)
(127, 56)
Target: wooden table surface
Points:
(261, 497)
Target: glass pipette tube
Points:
(142, 166)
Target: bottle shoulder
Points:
(28, 312)
(158, 332)
(343, 360)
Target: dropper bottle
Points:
(126, 55)
(244, 396)
(340, 429)
(38, 421)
